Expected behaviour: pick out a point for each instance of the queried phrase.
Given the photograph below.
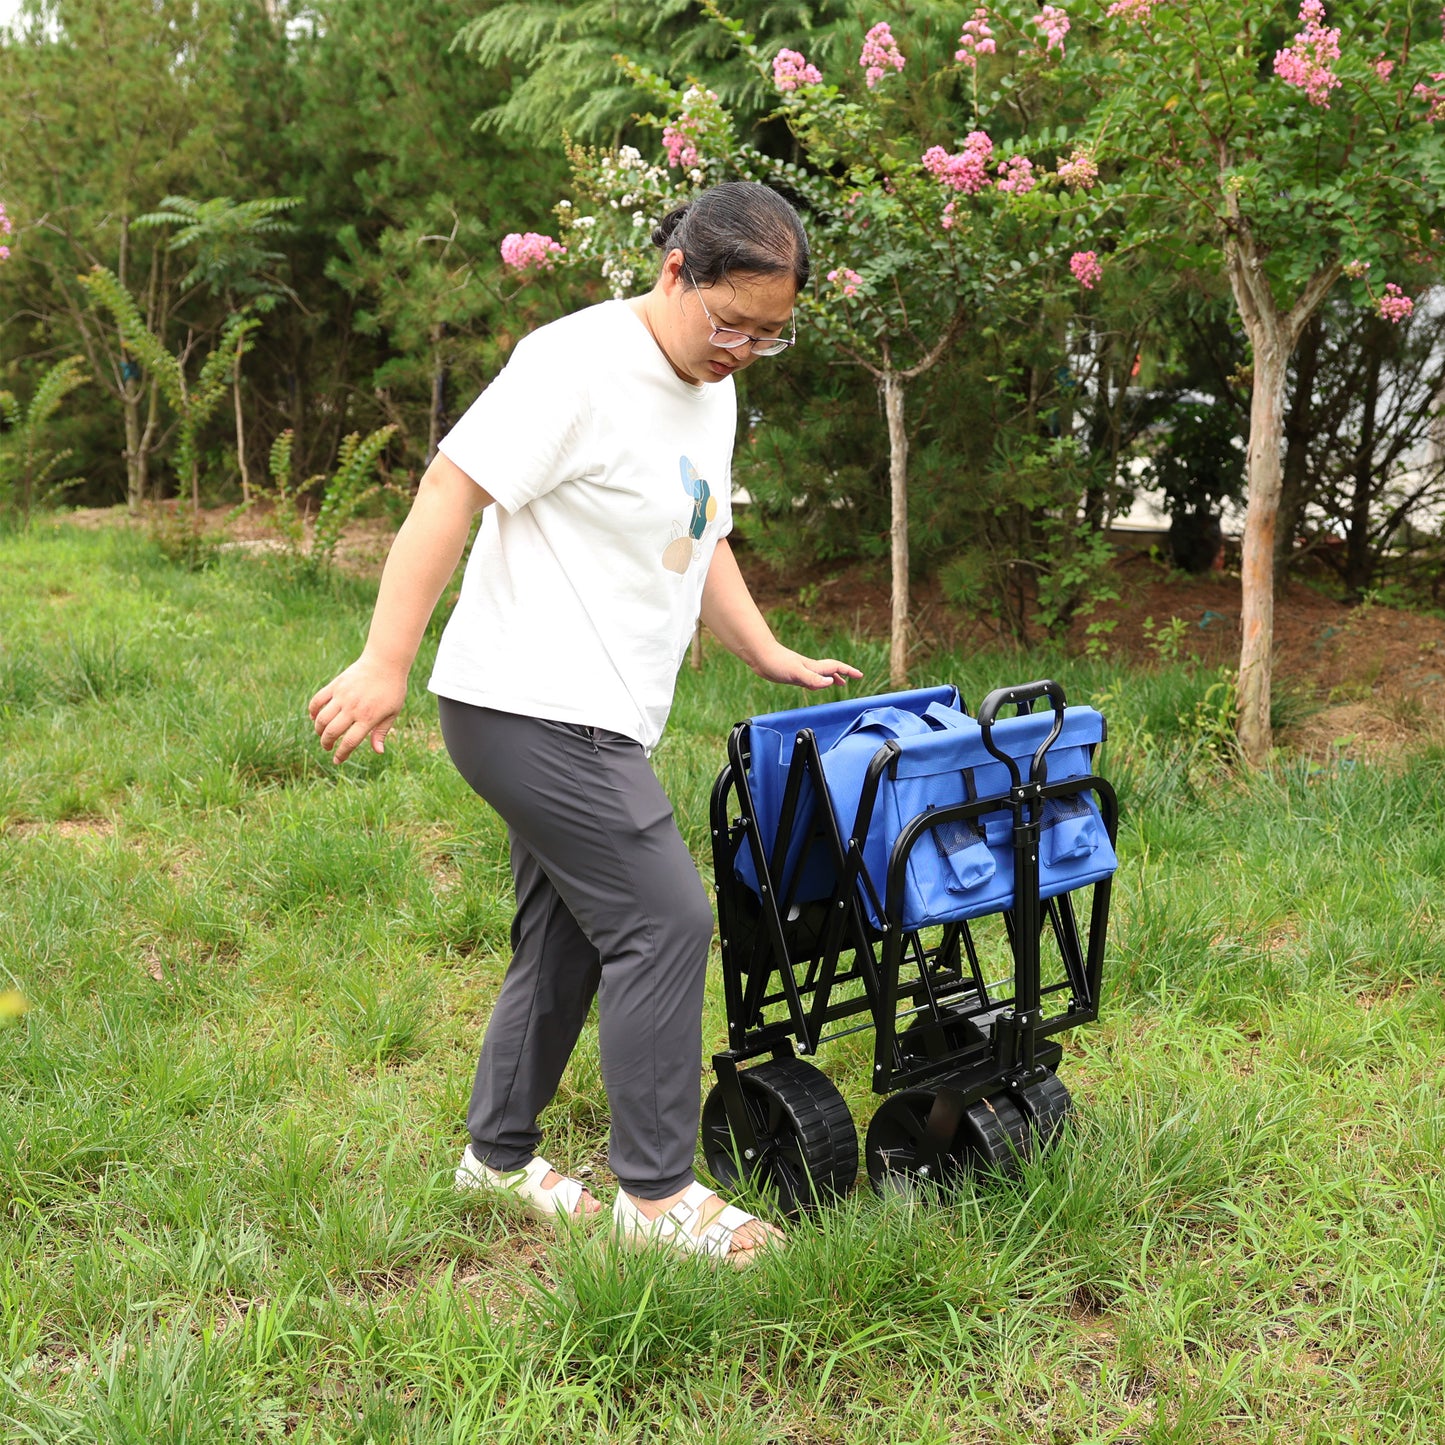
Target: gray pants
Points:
(608, 903)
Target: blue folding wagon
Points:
(893, 864)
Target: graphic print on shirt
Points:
(679, 553)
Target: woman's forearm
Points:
(731, 615)
(365, 700)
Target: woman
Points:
(606, 446)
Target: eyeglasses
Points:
(730, 339)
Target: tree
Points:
(109, 107)
(1288, 161)
(232, 264)
(193, 401)
(566, 53)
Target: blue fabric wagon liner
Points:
(938, 759)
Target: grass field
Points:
(256, 983)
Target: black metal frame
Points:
(972, 1036)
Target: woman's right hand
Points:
(364, 701)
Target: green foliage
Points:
(28, 464)
(1166, 639)
(566, 56)
(907, 272)
(143, 124)
(345, 490)
(227, 237)
(193, 401)
(341, 495)
(1036, 561)
(285, 496)
(1219, 150)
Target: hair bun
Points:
(663, 231)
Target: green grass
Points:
(256, 984)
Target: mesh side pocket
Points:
(965, 854)
(1072, 831)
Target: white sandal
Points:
(674, 1228)
(562, 1198)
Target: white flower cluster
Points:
(619, 274)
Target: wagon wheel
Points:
(1047, 1106)
(909, 1145)
(807, 1146)
(927, 1137)
(998, 1135)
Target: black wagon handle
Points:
(1022, 697)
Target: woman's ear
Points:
(672, 270)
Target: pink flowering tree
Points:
(921, 229)
(1298, 149)
(938, 224)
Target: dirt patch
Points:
(84, 829)
(1368, 730)
(362, 549)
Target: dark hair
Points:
(738, 226)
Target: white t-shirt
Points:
(612, 479)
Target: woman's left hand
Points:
(782, 664)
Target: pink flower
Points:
(1432, 97)
(1086, 268)
(1018, 175)
(847, 279)
(1355, 269)
(1079, 170)
(1055, 25)
(528, 249)
(880, 51)
(1139, 10)
(968, 170)
(1384, 68)
(975, 39)
(1394, 305)
(947, 217)
(4, 253)
(1306, 63)
(790, 70)
(677, 141)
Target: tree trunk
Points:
(892, 387)
(1266, 479)
(241, 425)
(1272, 335)
(135, 468)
